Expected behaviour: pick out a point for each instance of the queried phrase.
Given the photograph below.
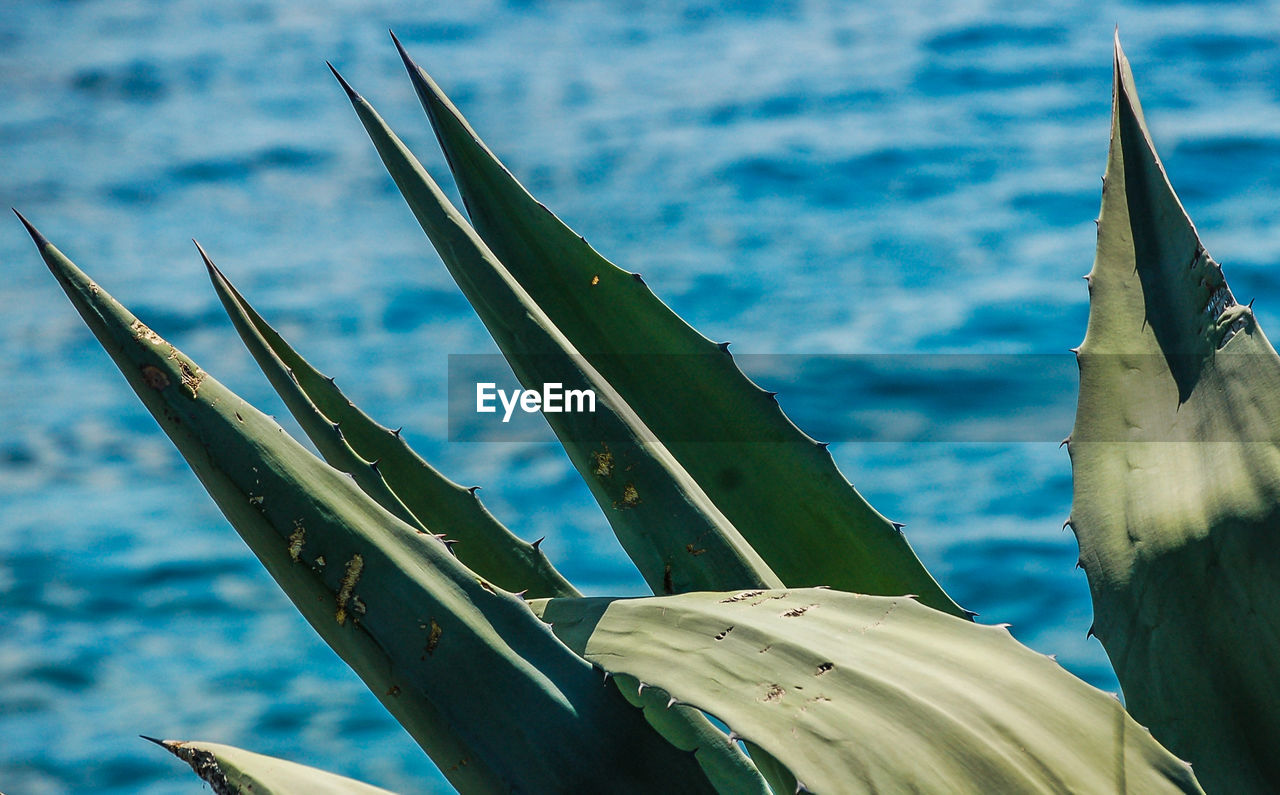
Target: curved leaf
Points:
(874, 694)
(678, 538)
(779, 487)
(495, 700)
(384, 465)
(234, 771)
(1177, 475)
(675, 535)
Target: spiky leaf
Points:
(677, 537)
(874, 694)
(779, 487)
(234, 771)
(384, 465)
(483, 687)
(1177, 475)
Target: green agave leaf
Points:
(779, 487)
(1177, 475)
(486, 545)
(234, 771)
(780, 779)
(722, 760)
(874, 694)
(400, 480)
(677, 537)
(495, 700)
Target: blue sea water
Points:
(798, 177)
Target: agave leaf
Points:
(460, 663)
(235, 771)
(678, 539)
(400, 480)
(874, 694)
(486, 545)
(1177, 475)
(780, 779)
(780, 488)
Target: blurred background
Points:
(799, 178)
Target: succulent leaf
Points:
(723, 762)
(402, 482)
(874, 694)
(460, 663)
(1177, 476)
(780, 488)
(235, 771)
(678, 538)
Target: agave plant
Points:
(794, 641)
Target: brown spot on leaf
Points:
(190, 379)
(797, 612)
(741, 596)
(769, 597)
(630, 498)
(603, 462)
(724, 633)
(774, 693)
(433, 637)
(595, 280)
(296, 539)
(145, 334)
(204, 764)
(667, 586)
(349, 580)
(824, 667)
(692, 551)
(154, 377)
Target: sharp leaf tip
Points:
(403, 54)
(40, 240)
(204, 255)
(351, 92)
